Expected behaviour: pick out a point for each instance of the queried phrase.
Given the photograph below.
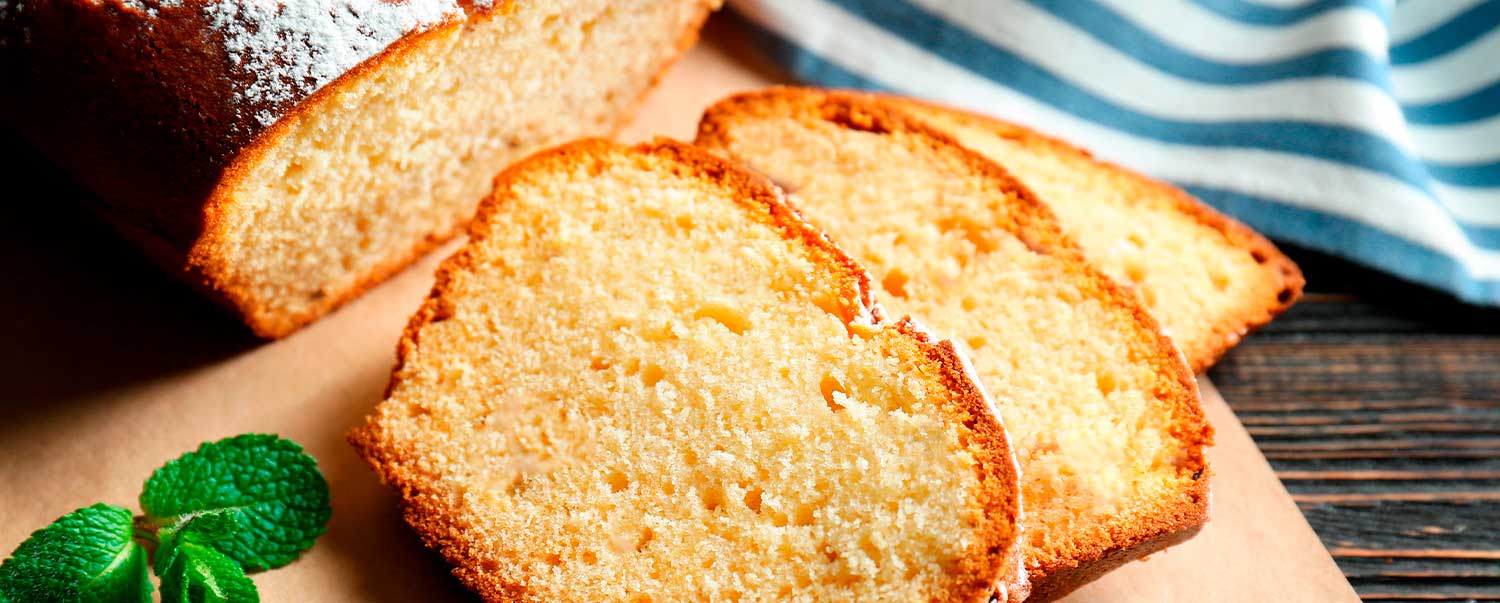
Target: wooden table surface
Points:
(1378, 404)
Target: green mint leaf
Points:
(196, 573)
(86, 556)
(205, 529)
(274, 488)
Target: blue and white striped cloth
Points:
(1364, 128)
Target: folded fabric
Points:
(1356, 127)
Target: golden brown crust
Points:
(177, 214)
(1030, 221)
(994, 561)
(1276, 265)
(977, 413)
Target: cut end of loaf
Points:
(1103, 411)
(1208, 279)
(390, 159)
(646, 379)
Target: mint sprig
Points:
(242, 504)
(274, 488)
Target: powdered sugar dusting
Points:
(291, 48)
(149, 7)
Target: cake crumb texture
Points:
(646, 379)
(1102, 410)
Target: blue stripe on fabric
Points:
(1260, 14)
(1353, 240)
(1474, 106)
(956, 45)
(1124, 35)
(1451, 35)
(1477, 175)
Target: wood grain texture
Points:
(1378, 404)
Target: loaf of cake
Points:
(1102, 409)
(1208, 279)
(284, 156)
(645, 378)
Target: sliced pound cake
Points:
(1208, 279)
(1102, 409)
(284, 156)
(645, 378)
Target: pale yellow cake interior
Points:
(1072, 374)
(404, 154)
(642, 391)
(1195, 281)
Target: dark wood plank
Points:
(1378, 403)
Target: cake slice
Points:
(1102, 409)
(1208, 279)
(283, 157)
(645, 378)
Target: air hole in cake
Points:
(598, 364)
(644, 539)
(1106, 383)
(975, 234)
(617, 481)
(752, 499)
(1219, 278)
(828, 305)
(830, 553)
(894, 283)
(1259, 256)
(731, 318)
(976, 343)
(1148, 295)
(803, 516)
(293, 171)
(552, 559)
(659, 333)
(1284, 296)
(589, 557)
(830, 386)
(713, 497)
(588, 26)
(1136, 241)
(1135, 271)
(652, 374)
(871, 548)
(690, 458)
(684, 223)
(969, 304)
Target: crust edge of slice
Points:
(863, 112)
(424, 509)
